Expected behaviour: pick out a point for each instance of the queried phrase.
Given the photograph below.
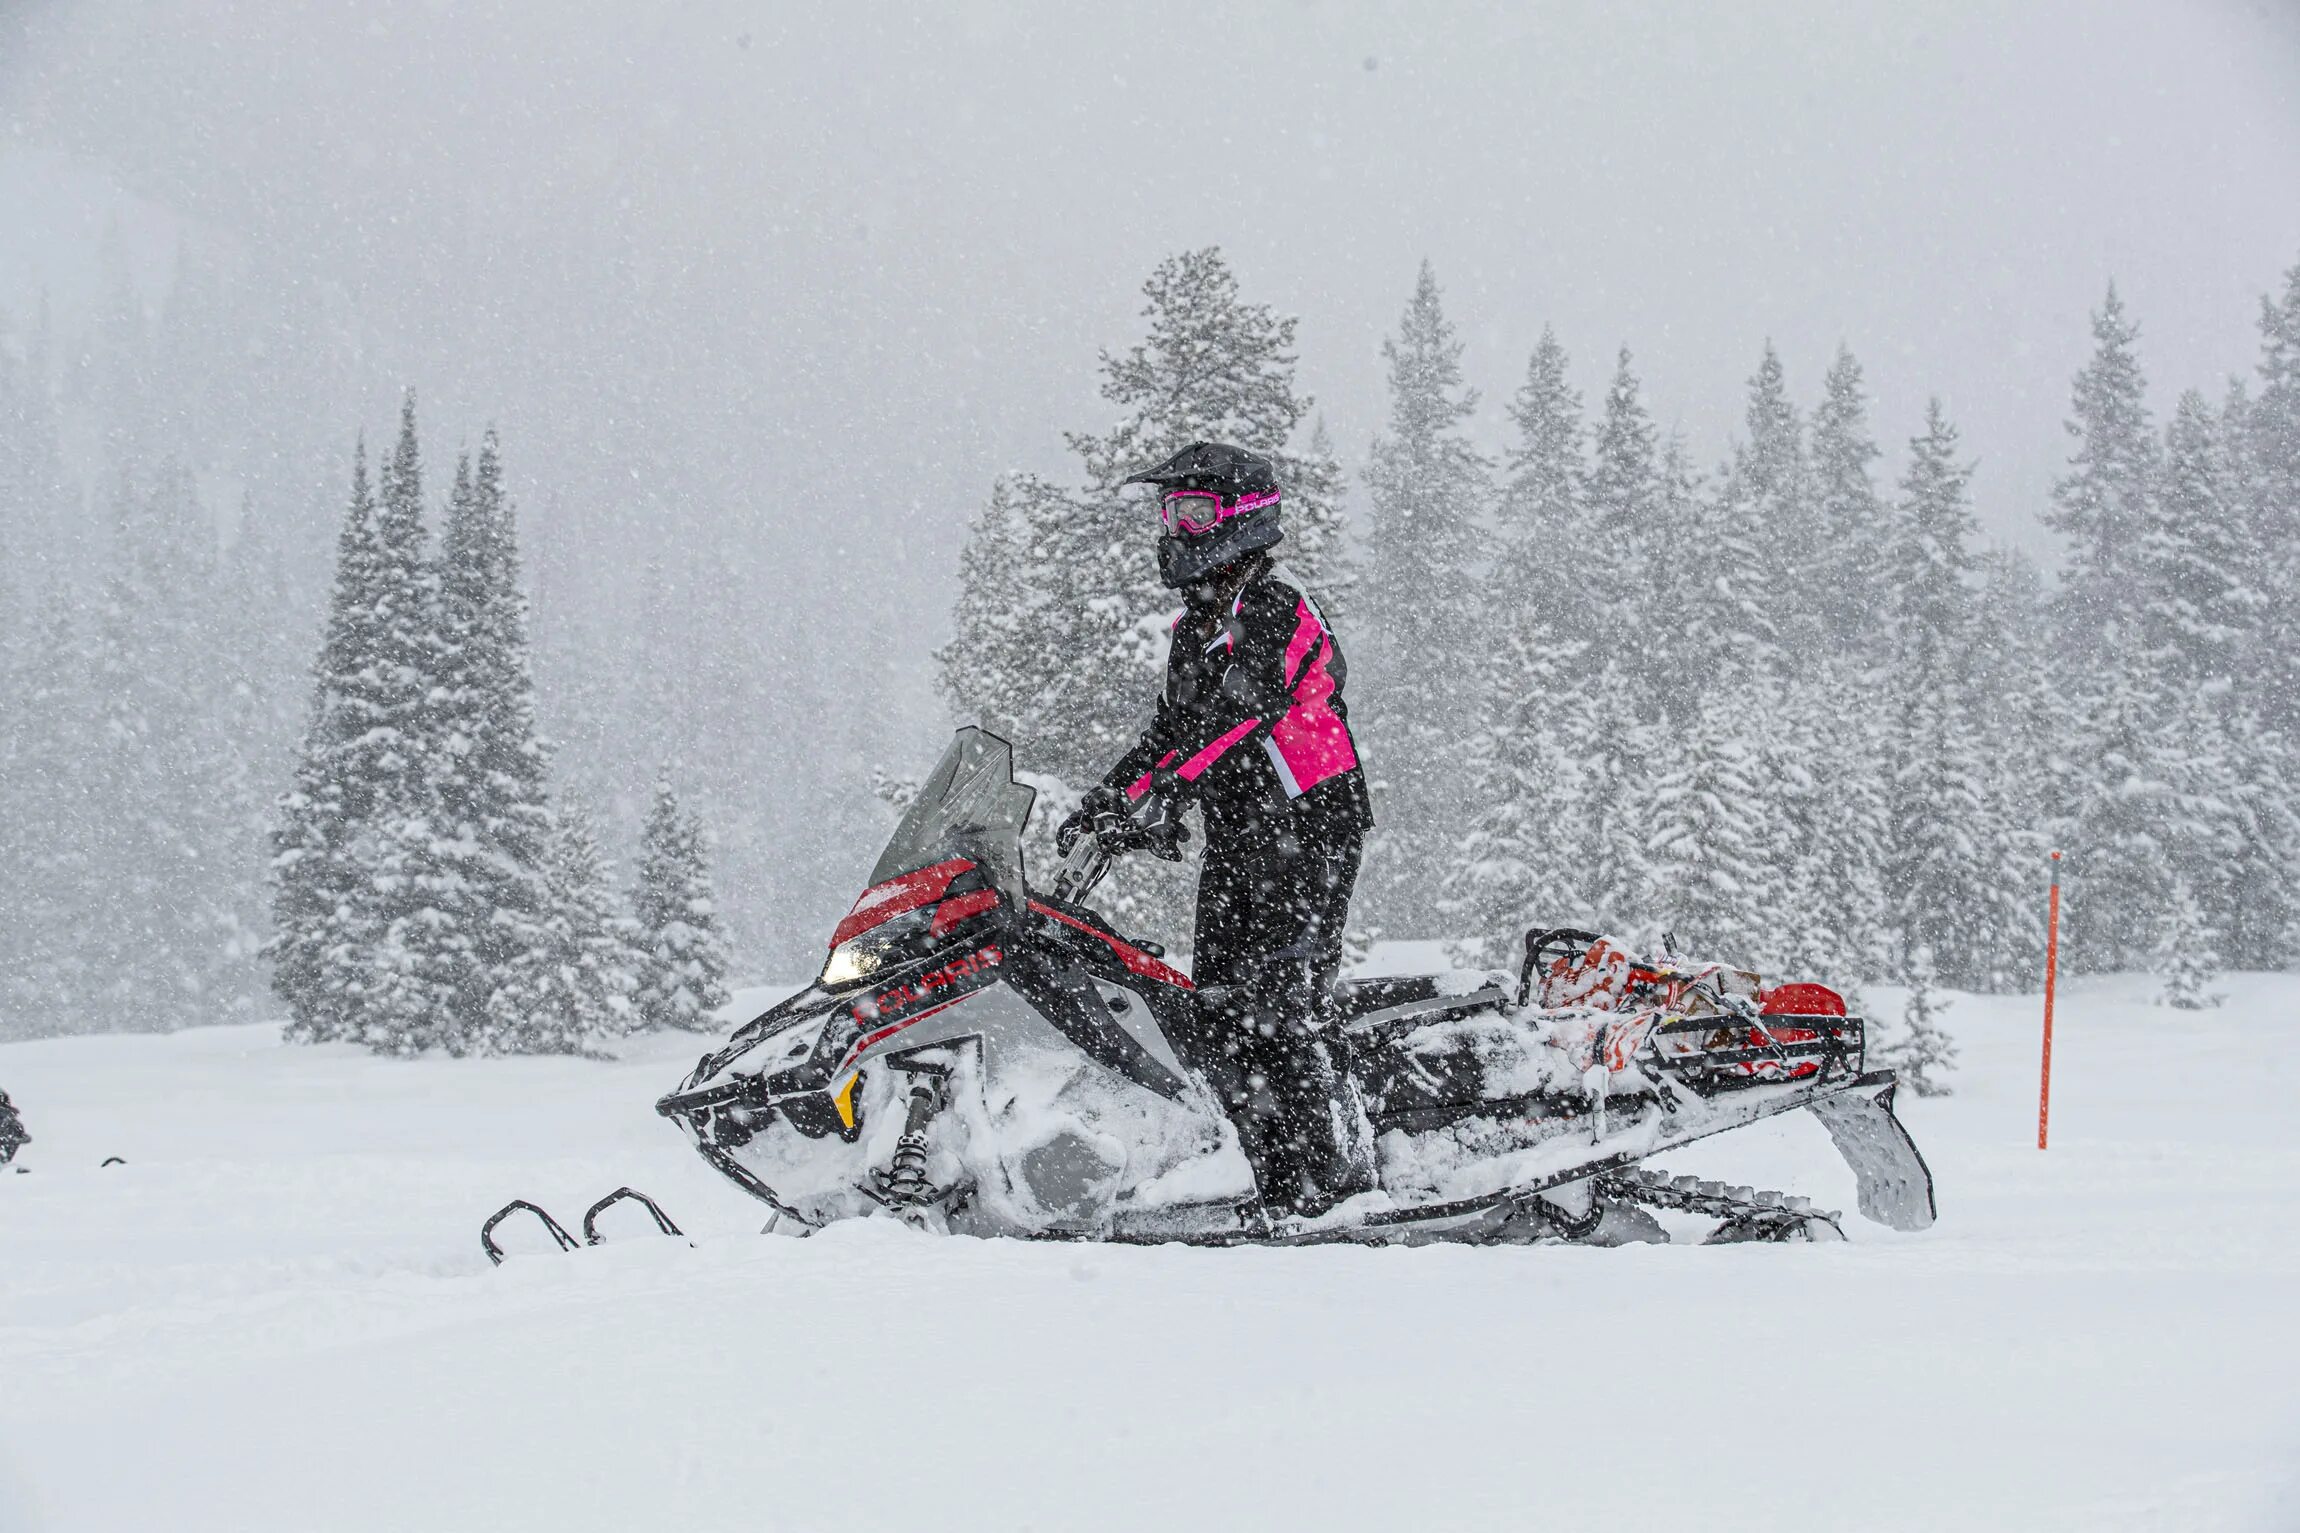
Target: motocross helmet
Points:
(1218, 504)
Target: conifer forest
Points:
(1777, 696)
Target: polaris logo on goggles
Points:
(1194, 513)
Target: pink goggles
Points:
(1193, 513)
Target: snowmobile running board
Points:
(1895, 1185)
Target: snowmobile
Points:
(979, 1056)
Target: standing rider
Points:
(1251, 723)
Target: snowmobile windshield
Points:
(955, 858)
(969, 806)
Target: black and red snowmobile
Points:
(977, 1056)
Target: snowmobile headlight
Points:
(851, 962)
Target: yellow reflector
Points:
(845, 1100)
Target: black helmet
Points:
(1218, 503)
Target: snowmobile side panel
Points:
(1112, 1026)
(1896, 1186)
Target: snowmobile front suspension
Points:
(903, 1184)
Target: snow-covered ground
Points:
(276, 1316)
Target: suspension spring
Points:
(903, 1182)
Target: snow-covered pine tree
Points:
(1854, 526)
(1619, 568)
(1923, 1054)
(2101, 505)
(2272, 457)
(989, 669)
(2261, 473)
(573, 992)
(1834, 927)
(1775, 485)
(1519, 857)
(488, 827)
(1541, 516)
(2258, 887)
(344, 777)
(1935, 869)
(2026, 725)
(1428, 490)
(1645, 685)
(2186, 959)
(2200, 621)
(1707, 827)
(405, 889)
(1612, 748)
(682, 974)
(1721, 592)
(2197, 563)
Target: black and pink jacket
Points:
(1251, 716)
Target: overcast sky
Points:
(875, 249)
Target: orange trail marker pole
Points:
(2051, 971)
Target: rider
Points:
(1251, 723)
(13, 1135)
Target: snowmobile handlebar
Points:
(1082, 868)
(1151, 823)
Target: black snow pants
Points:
(1272, 897)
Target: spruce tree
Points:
(2186, 959)
(2102, 504)
(338, 791)
(1428, 491)
(1625, 507)
(2023, 716)
(1524, 838)
(1838, 818)
(1541, 511)
(1519, 861)
(487, 834)
(407, 888)
(1612, 748)
(1855, 529)
(1936, 867)
(1923, 1054)
(1722, 593)
(1708, 830)
(2271, 447)
(2256, 897)
(1002, 615)
(2196, 564)
(682, 971)
(1773, 484)
(572, 991)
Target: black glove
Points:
(1101, 814)
(1161, 830)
